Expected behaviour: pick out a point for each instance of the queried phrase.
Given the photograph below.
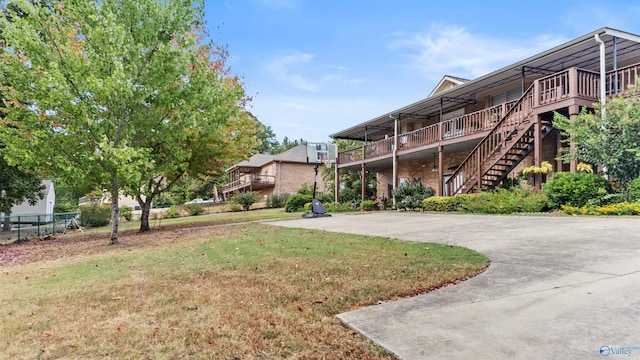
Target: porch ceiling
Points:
(582, 52)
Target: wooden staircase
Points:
(498, 153)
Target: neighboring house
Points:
(272, 175)
(42, 207)
(469, 135)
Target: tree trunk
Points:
(146, 210)
(115, 211)
(6, 224)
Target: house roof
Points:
(297, 154)
(447, 79)
(582, 52)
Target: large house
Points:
(284, 173)
(469, 135)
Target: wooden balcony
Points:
(254, 182)
(515, 135)
(569, 87)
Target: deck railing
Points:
(544, 91)
(472, 166)
(468, 124)
(246, 181)
(547, 90)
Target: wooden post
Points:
(336, 185)
(537, 150)
(573, 111)
(363, 182)
(440, 171)
(558, 151)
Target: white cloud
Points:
(280, 69)
(300, 70)
(453, 50)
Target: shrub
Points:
(411, 196)
(94, 215)
(623, 208)
(172, 212)
(63, 207)
(245, 199)
(367, 205)
(305, 189)
(234, 207)
(163, 200)
(296, 203)
(277, 201)
(576, 189)
(193, 209)
(308, 206)
(338, 207)
(443, 203)
(634, 189)
(126, 212)
(503, 201)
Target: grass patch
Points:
(208, 219)
(238, 292)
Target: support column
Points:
(363, 182)
(336, 185)
(440, 171)
(537, 151)
(574, 110)
(558, 151)
(395, 158)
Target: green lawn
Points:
(249, 291)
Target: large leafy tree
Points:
(612, 142)
(123, 95)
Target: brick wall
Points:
(291, 176)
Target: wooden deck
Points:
(573, 86)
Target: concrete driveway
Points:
(557, 288)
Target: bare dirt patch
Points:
(61, 246)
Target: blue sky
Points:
(315, 67)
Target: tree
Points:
(122, 95)
(16, 187)
(267, 140)
(612, 142)
(245, 199)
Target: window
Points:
(511, 95)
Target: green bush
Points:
(277, 201)
(296, 203)
(173, 212)
(367, 205)
(245, 199)
(444, 203)
(193, 209)
(623, 208)
(411, 196)
(634, 189)
(503, 201)
(234, 207)
(126, 212)
(577, 189)
(338, 207)
(63, 207)
(163, 200)
(94, 215)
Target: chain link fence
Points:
(22, 227)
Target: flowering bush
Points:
(623, 208)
